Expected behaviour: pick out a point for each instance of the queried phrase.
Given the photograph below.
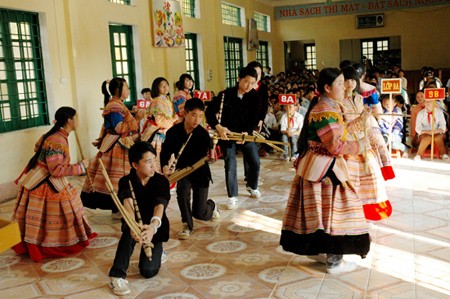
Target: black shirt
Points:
(196, 149)
(155, 192)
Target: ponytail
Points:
(302, 142)
(62, 115)
(115, 89)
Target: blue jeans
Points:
(147, 268)
(250, 152)
(202, 207)
(294, 139)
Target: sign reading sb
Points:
(287, 99)
(391, 85)
(434, 93)
(202, 95)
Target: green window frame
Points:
(121, 39)
(231, 15)
(188, 7)
(23, 98)
(192, 58)
(123, 2)
(310, 56)
(262, 54)
(262, 21)
(234, 60)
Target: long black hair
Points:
(180, 83)
(326, 77)
(351, 73)
(115, 89)
(62, 115)
(155, 85)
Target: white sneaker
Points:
(444, 157)
(216, 214)
(185, 233)
(163, 257)
(417, 158)
(232, 203)
(119, 286)
(253, 193)
(343, 267)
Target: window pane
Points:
(231, 15)
(188, 7)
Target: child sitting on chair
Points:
(424, 121)
(391, 123)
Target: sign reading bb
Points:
(202, 95)
(287, 99)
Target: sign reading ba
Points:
(391, 85)
(287, 99)
(434, 93)
(203, 95)
(143, 104)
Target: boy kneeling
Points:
(152, 194)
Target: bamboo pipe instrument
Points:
(277, 148)
(134, 227)
(174, 163)
(248, 138)
(91, 184)
(147, 247)
(179, 174)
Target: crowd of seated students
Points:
(395, 127)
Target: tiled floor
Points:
(239, 256)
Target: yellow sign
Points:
(391, 85)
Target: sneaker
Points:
(216, 214)
(253, 193)
(417, 158)
(343, 267)
(163, 257)
(444, 157)
(232, 203)
(119, 286)
(185, 233)
(320, 258)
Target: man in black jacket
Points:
(239, 114)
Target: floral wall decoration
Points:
(168, 24)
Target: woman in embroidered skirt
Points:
(162, 117)
(364, 169)
(324, 213)
(49, 211)
(119, 132)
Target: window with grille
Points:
(262, 54)
(23, 99)
(231, 15)
(192, 57)
(233, 59)
(371, 47)
(121, 39)
(188, 7)
(123, 2)
(310, 56)
(262, 21)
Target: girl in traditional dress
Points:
(49, 211)
(324, 213)
(364, 170)
(119, 132)
(185, 86)
(162, 117)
